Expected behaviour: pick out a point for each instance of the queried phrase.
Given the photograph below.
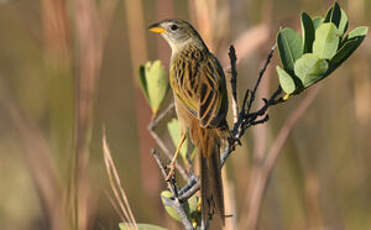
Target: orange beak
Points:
(156, 28)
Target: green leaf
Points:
(175, 132)
(290, 48)
(317, 22)
(360, 31)
(153, 80)
(307, 29)
(193, 203)
(190, 207)
(286, 81)
(343, 25)
(326, 41)
(170, 210)
(333, 15)
(143, 82)
(125, 226)
(310, 69)
(352, 41)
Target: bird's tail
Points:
(212, 199)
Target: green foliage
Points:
(290, 48)
(343, 26)
(317, 21)
(326, 42)
(169, 209)
(124, 226)
(190, 207)
(309, 68)
(324, 47)
(334, 15)
(351, 42)
(286, 81)
(153, 80)
(308, 32)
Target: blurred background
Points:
(69, 68)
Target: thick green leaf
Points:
(125, 226)
(307, 29)
(175, 132)
(326, 41)
(334, 15)
(286, 81)
(153, 80)
(170, 210)
(317, 22)
(343, 25)
(310, 69)
(290, 48)
(352, 42)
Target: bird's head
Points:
(177, 33)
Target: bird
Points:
(201, 100)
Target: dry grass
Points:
(121, 203)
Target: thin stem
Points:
(261, 73)
(233, 58)
(160, 142)
(173, 202)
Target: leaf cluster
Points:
(322, 48)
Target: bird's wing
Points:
(212, 93)
(201, 88)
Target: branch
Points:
(246, 118)
(159, 141)
(173, 202)
(261, 73)
(233, 58)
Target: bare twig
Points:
(173, 202)
(246, 118)
(161, 116)
(233, 58)
(261, 73)
(191, 188)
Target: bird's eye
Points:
(174, 27)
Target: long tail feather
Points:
(211, 182)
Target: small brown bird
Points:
(198, 84)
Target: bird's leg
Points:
(171, 166)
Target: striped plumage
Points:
(197, 79)
(201, 100)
